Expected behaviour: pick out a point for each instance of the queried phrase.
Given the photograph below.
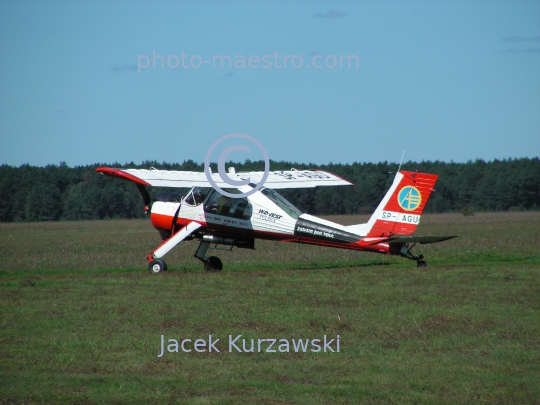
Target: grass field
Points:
(81, 319)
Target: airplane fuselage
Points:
(257, 217)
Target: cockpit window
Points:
(229, 207)
(197, 195)
(282, 203)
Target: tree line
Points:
(59, 192)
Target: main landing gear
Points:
(214, 264)
(211, 263)
(406, 252)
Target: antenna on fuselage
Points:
(402, 156)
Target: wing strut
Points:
(174, 240)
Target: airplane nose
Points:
(162, 223)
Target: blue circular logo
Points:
(409, 198)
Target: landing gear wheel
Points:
(157, 266)
(421, 263)
(214, 265)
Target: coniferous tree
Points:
(53, 192)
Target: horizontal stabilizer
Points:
(419, 239)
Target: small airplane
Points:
(214, 218)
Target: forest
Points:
(63, 193)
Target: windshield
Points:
(282, 203)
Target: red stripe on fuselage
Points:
(163, 223)
(360, 245)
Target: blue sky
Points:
(442, 80)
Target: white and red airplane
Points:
(216, 219)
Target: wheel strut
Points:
(211, 263)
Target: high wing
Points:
(181, 179)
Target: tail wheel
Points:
(157, 266)
(214, 264)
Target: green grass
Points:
(81, 318)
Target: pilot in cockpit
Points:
(224, 204)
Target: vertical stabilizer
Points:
(399, 211)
